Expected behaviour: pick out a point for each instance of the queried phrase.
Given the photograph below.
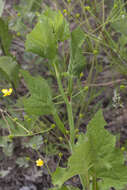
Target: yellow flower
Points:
(7, 92)
(87, 8)
(60, 154)
(77, 15)
(18, 14)
(80, 115)
(18, 34)
(81, 74)
(65, 11)
(39, 162)
(123, 148)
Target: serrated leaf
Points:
(40, 101)
(8, 149)
(22, 162)
(96, 155)
(4, 141)
(58, 23)
(4, 173)
(78, 163)
(35, 142)
(77, 60)
(9, 69)
(43, 39)
(5, 37)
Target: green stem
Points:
(69, 107)
(59, 123)
(94, 183)
(82, 179)
(71, 123)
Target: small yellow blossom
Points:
(65, 12)
(81, 74)
(7, 92)
(60, 154)
(39, 162)
(67, 132)
(18, 14)
(87, 8)
(76, 130)
(80, 115)
(77, 15)
(86, 88)
(95, 52)
(123, 148)
(18, 34)
(69, 1)
(53, 125)
(60, 139)
(122, 86)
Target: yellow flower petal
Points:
(39, 162)
(7, 92)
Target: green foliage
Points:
(94, 157)
(120, 25)
(95, 154)
(14, 128)
(57, 23)
(77, 60)
(34, 142)
(4, 173)
(1, 7)
(5, 37)
(22, 162)
(9, 69)
(40, 101)
(25, 7)
(8, 149)
(4, 141)
(50, 28)
(7, 145)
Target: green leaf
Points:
(22, 162)
(15, 129)
(95, 154)
(40, 101)
(120, 26)
(8, 149)
(5, 37)
(58, 23)
(43, 39)
(2, 3)
(35, 142)
(4, 141)
(36, 5)
(78, 163)
(9, 69)
(77, 60)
